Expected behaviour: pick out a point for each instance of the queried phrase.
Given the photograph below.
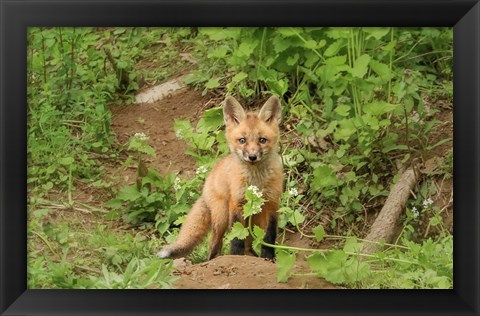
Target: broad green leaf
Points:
(212, 119)
(292, 60)
(114, 203)
(319, 232)
(219, 34)
(66, 161)
(237, 231)
(297, 218)
(318, 263)
(246, 48)
(212, 83)
(323, 177)
(343, 110)
(360, 67)
(280, 44)
(218, 52)
(259, 234)
(310, 44)
(378, 108)
(239, 76)
(333, 48)
(336, 61)
(376, 32)
(288, 31)
(382, 70)
(128, 193)
(285, 262)
(352, 245)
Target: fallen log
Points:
(383, 229)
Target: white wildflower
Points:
(201, 170)
(254, 189)
(141, 136)
(179, 133)
(427, 203)
(293, 191)
(176, 184)
(415, 212)
(257, 209)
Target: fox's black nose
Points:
(252, 157)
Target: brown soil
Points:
(240, 272)
(248, 272)
(156, 121)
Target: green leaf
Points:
(311, 44)
(360, 66)
(212, 83)
(128, 193)
(336, 61)
(333, 48)
(280, 44)
(66, 161)
(239, 77)
(318, 263)
(218, 52)
(297, 218)
(237, 231)
(376, 32)
(382, 70)
(211, 120)
(324, 176)
(259, 234)
(343, 110)
(378, 108)
(352, 245)
(292, 60)
(114, 203)
(319, 232)
(285, 262)
(246, 48)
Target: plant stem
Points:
(46, 243)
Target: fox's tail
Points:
(193, 230)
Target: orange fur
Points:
(254, 160)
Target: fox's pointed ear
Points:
(271, 111)
(233, 111)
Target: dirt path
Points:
(156, 121)
(225, 272)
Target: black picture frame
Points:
(17, 15)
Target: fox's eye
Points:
(262, 140)
(242, 140)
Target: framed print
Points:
(239, 157)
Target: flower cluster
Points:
(293, 191)
(254, 189)
(427, 203)
(179, 133)
(176, 184)
(415, 212)
(141, 136)
(201, 170)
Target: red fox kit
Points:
(254, 160)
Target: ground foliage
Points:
(358, 104)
